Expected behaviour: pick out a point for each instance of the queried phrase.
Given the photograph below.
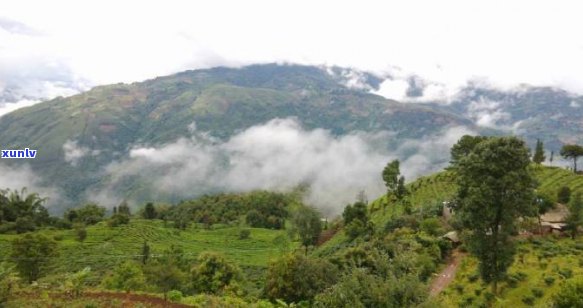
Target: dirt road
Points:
(446, 276)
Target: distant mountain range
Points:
(76, 137)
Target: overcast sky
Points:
(50, 48)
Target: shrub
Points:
(459, 288)
(58, 237)
(564, 195)
(473, 277)
(549, 280)
(432, 226)
(529, 300)
(244, 234)
(118, 220)
(174, 296)
(570, 295)
(81, 233)
(538, 292)
(566, 273)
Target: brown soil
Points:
(127, 299)
(446, 276)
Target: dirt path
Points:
(446, 276)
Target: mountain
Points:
(550, 114)
(78, 136)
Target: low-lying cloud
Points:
(277, 155)
(19, 177)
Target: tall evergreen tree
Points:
(124, 208)
(150, 211)
(495, 188)
(539, 153)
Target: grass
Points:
(546, 264)
(551, 179)
(106, 246)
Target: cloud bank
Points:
(18, 177)
(277, 155)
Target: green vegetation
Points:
(221, 101)
(572, 151)
(544, 267)
(539, 153)
(495, 189)
(245, 250)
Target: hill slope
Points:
(76, 137)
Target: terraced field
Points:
(106, 246)
(540, 269)
(553, 178)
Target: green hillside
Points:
(538, 257)
(107, 121)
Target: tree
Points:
(539, 153)
(294, 278)
(145, 253)
(391, 177)
(80, 232)
(575, 218)
(306, 221)
(552, 157)
(495, 188)
(24, 208)
(124, 208)
(401, 191)
(150, 211)
(118, 220)
(166, 277)
(572, 151)
(89, 214)
(213, 273)
(32, 254)
(356, 221)
(127, 276)
(464, 147)
(361, 289)
(76, 282)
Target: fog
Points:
(277, 155)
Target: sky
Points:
(51, 48)
(59, 48)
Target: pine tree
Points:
(539, 153)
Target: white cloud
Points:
(19, 177)
(9, 107)
(487, 113)
(74, 153)
(395, 89)
(446, 43)
(278, 156)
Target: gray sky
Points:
(50, 48)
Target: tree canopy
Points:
(572, 151)
(495, 188)
(539, 153)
